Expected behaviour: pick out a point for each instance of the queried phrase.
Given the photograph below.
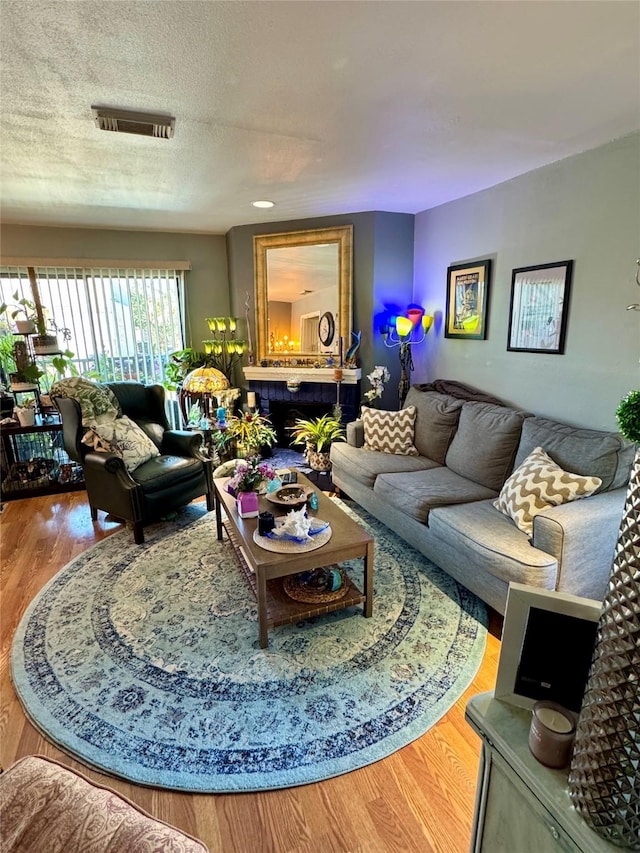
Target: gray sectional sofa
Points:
(441, 501)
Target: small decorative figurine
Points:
(350, 357)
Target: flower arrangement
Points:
(249, 474)
(378, 376)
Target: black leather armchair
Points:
(164, 483)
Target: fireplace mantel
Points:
(350, 375)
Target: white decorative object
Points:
(295, 523)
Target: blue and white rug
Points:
(143, 661)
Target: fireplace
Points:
(312, 400)
(285, 413)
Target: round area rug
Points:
(143, 661)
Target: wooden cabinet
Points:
(34, 461)
(521, 806)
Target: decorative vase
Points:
(247, 504)
(318, 460)
(604, 779)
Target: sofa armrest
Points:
(582, 536)
(355, 433)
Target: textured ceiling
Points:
(323, 107)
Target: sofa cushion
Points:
(537, 484)
(485, 443)
(48, 808)
(124, 438)
(417, 493)
(436, 422)
(389, 432)
(477, 535)
(596, 453)
(364, 466)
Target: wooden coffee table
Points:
(265, 569)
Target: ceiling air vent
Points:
(127, 121)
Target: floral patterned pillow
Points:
(95, 399)
(124, 438)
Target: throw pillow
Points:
(537, 484)
(389, 432)
(124, 438)
(95, 399)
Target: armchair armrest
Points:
(582, 536)
(182, 442)
(355, 433)
(108, 464)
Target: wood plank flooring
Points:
(418, 800)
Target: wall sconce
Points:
(404, 330)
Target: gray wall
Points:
(585, 208)
(207, 289)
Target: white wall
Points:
(585, 208)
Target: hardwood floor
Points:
(419, 800)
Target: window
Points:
(122, 323)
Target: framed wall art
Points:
(539, 308)
(467, 300)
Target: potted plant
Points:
(26, 411)
(181, 363)
(253, 433)
(23, 372)
(46, 341)
(24, 306)
(249, 476)
(317, 435)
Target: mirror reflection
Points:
(303, 292)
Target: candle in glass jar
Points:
(251, 399)
(551, 734)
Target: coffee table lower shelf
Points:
(281, 608)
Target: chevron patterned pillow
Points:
(389, 432)
(537, 484)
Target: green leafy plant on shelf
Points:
(24, 307)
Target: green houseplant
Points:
(251, 432)
(24, 306)
(317, 435)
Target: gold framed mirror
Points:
(304, 291)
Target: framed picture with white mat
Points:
(547, 644)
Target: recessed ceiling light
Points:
(264, 203)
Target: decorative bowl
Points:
(293, 495)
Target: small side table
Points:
(521, 805)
